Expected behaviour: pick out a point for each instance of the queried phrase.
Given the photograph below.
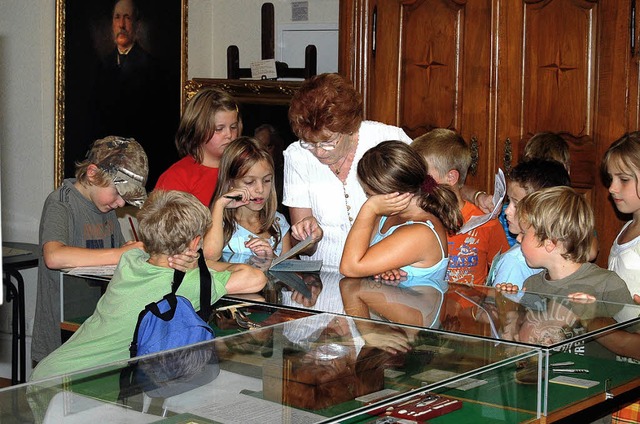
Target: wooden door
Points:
(498, 72)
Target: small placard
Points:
(264, 69)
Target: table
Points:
(11, 266)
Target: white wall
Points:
(27, 75)
(237, 22)
(27, 102)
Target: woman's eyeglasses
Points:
(324, 145)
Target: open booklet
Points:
(499, 191)
(104, 271)
(284, 263)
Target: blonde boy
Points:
(79, 226)
(557, 230)
(448, 158)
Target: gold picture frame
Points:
(84, 30)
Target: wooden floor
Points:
(5, 382)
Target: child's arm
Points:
(479, 198)
(214, 239)
(57, 255)
(244, 278)
(361, 260)
(619, 342)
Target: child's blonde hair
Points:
(623, 153)
(548, 146)
(446, 150)
(562, 215)
(197, 124)
(170, 220)
(238, 158)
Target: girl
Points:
(244, 205)
(405, 220)
(621, 165)
(209, 123)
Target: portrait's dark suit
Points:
(134, 98)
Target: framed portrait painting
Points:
(120, 69)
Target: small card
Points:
(435, 375)
(574, 381)
(264, 69)
(436, 349)
(389, 373)
(371, 397)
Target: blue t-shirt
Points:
(242, 235)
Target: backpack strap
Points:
(205, 286)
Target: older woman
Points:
(320, 183)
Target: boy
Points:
(79, 226)
(525, 178)
(448, 158)
(170, 222)
(556, 233)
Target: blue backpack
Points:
(170, 323)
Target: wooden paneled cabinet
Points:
(498, 72)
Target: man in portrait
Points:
(134, 95)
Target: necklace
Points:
(336, 169)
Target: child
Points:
(621, 166)
(244, 206)
(79, 226)
(209, 122)
(170, 222)
(548, 146)
(556, 233)
(406, 219)
(448, 158)
(525, 178)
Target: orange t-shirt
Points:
(192, 177)
(470, 254)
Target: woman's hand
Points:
(184, 261)
(388, 204)
(307, 226)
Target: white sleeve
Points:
(296, 178)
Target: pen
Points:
(571, 370)
(133, 229)
(236, 198)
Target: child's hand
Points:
(507, 288)
(636, 298)
(184, 261)
(389, 204)
(235, 198)
(582, 297)
(307, 226)
(391, 275)
(259, 246)
(485, 202)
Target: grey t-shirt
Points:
(73, 220)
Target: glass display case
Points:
(316, 368)
(518, 356)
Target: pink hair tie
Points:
(428, 185)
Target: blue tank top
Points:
(435, 273)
